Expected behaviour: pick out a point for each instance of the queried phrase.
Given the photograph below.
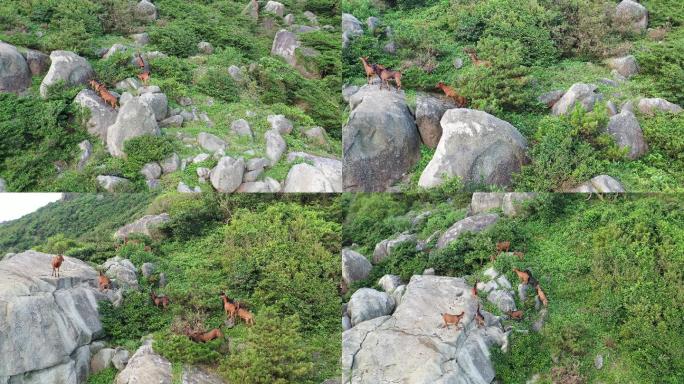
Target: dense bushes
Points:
(216, 82)
(135, 318)
(663, 63)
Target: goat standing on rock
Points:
(103, 282)
(56, 265)
(451, 93)
(386, 75)
(452, 319)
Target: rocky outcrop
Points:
(384, 248)
(323, 174)
(15, 75)
(122, 272)
(381, 141)
(226, 177)
(284, 45)
(37, 61)
(367, 304)
(411, 346)
(351, 26)
(144, 225)
(47, 323)
(101, 114)
(625, 129)
(583, 94)
(275, 8)
(355, 266)
(429, 112)
(473, 224)
(626, 66)
(599, 184)
(194, 375)
(146, 11)
(280, 123)
(135, 118)
(653, 105)
(630, 16)
(509, 202)
(145, 366)
(68, 67)
(275, 146)
(476, 147)
(113, 183)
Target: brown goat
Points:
(386, 75)
(229, 306)
(245, 315)
(474, 290)
(519, 255)
(56, 265)
(108, 97)
(370, 72)
(144, 76)
(515, 315)
(501, 246)
(523, 275)
(159, 301)
(203, 337)
(473, 57)
(451, 93)
(452, 319)
(103, 282)
(479, 318)
(542, 296)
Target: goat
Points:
(159, 301)
(451, 93)
(145, 75)
(103, 282)
(542, 296)
(56, 265)
(108, 97)
(203, 337)
(473, 57)
(452, 319)
(519, 255)
(370, 71)
(245, 315)
(523, 275)
(387, 74)
(515, 315)
(479, 318)
(229, 306)
(501, 246)
(474, 290)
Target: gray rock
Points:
(414, 344)
(86, 151)
(195, 375)
(251, 176)
(625, 66)
(275, 8)
(373, 23)
(429, 112)
(227, 175)
(205, 48)
(502, 299)
(185, 101)
(236, 73)
(346, 323)
(512, 202)
(252, 10)
(130, 84)
(627, 106)
(200, 158)
(141, 38)
(599, 184)
(381, 140)
(653, 105)
(625, 129)
(384, 248)
(608, 82)
(37, 61)
(317, 135)
(458, 63)
(120, 358)
(114, 49)
(275, 146)
(473, 224)
(175, 121)
(184, 188)
(148, 269)
(256, 187)
(256, 163)
(305, 178)
(311, 17)
(522, 292)
(101, 360)
(203, 174)
(289, 19)
(351, 26)
(241, 128)
(598, 361)
(170, 164)
(3, 187)
(367, 304)
(331, 168)
(151, 171)
(612, 108)
(390, 48)
(476, 147)
(280, 123)
(15, 74)
(157, 102)
(144, 225)
(146, 11)
(484, 202)
(551, 98)
(284, 45)
(630, 15)
(122, 272)
(355, 266)
(145, 366)
(539, 323)
(583, 94)
(101, 114)
(348, 91)
(67, 66)
(389, 283)
(112, 183)
(135, 119)
(212, 143)
(429, 272)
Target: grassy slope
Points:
(427, 35)
(274, 87)
(610, 268)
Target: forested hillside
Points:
(277, 256)
(610, 268)
(246, 79)
(569, 90)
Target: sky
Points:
(16, 205)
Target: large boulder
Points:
(15, 75)
(145, 366)
(275, 8)
(68, 67)
(212, 143)
(355, 266)
(329, 168)
(135, 118)
(626, 66)
(275, 146)
(112, 183)
(305, 178)
(367, 304)
(508, 202)
(122, 272)
(653, 105)
(579, 93)
(146, 11)
(429, 112)
(599, 184)
(625, 129)
(472, 224)
(351, 26)
(47, 323)
(384, 248)
(37, 61)
(144, 225)
(284, 45)
(631, 16)
(157, 102)
(280, 123)
(477, 147)
(411, 346)
(101, 114)
(227, 175)
(381, 141)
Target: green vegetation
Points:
(611, 267)
(535, 46)
(40, 151)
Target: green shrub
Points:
(177, 39)
(661, 66)
(662, 133)
(664, 12)
(145, 149)
(366, 222)
(115, 68)
(72, 24)
(135, 318)
(217, 83)
(180, 349)
(106, 376)
(191, 216)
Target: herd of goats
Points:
(232, 308)
(524, 276)
(385, 75)
(107, 96)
